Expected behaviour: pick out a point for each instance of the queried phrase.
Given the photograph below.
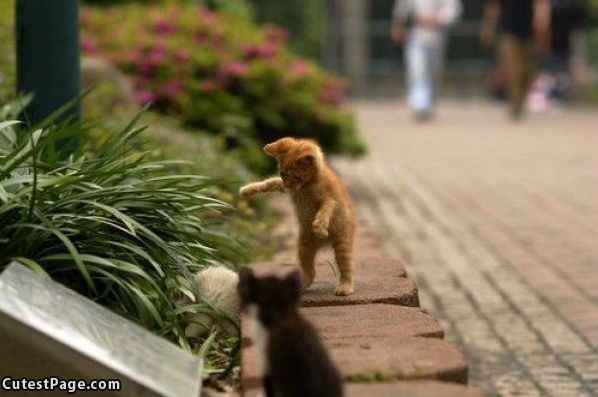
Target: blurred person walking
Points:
(520, 23)
(566, 17)
(423, 24)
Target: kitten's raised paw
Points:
(248, 190)
(344, 289)
(320, 228)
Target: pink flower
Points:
(182, 55)
(252, 51)
(145, 96)
(88, 46)
(265, 50)
(134, 56)
(158, 55)
(209, 86)
(172, 88)
(333, 92)
(299, 69)
(233, 69)
(207, 16)
(160, 46)
(164, 27)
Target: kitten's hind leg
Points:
(344, 260)
(307, 257)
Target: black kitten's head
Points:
(274, 296)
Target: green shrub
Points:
(305, 20)
(115, 226)
(239, 7)
(218, 72)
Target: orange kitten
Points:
(322, 204)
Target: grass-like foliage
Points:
(113, 225)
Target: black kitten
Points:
(294, 361)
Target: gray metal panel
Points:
(99, 335)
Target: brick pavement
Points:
(498, 223)
(381, 341)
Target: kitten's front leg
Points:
(322, 219)
(274, 184)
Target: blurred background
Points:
(496, 220)
(353, 38)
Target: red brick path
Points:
(379, 338)
(499, 224)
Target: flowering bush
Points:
(218, 72)
(305, 19)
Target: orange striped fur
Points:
(322, 204)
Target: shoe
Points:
(516, 114)
(423, 115)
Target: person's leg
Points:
(512, 65)
(437, 52)
(418, 71)
(559, 69)
(527, 66)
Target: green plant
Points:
(305, 20)
(373, 376)
(119, 228)
(239, 7)
(201, 153)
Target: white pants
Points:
(425, 59)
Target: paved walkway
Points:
(383, 344)
(498, 224)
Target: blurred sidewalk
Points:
(498, 222)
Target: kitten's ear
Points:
(306, 161)
(246, 275)
(279, 147)
(246, 282)
(293, 281)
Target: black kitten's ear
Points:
(246, 275)
(246, 281)
(293, 280)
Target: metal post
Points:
(356, 50)
(48, 62)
